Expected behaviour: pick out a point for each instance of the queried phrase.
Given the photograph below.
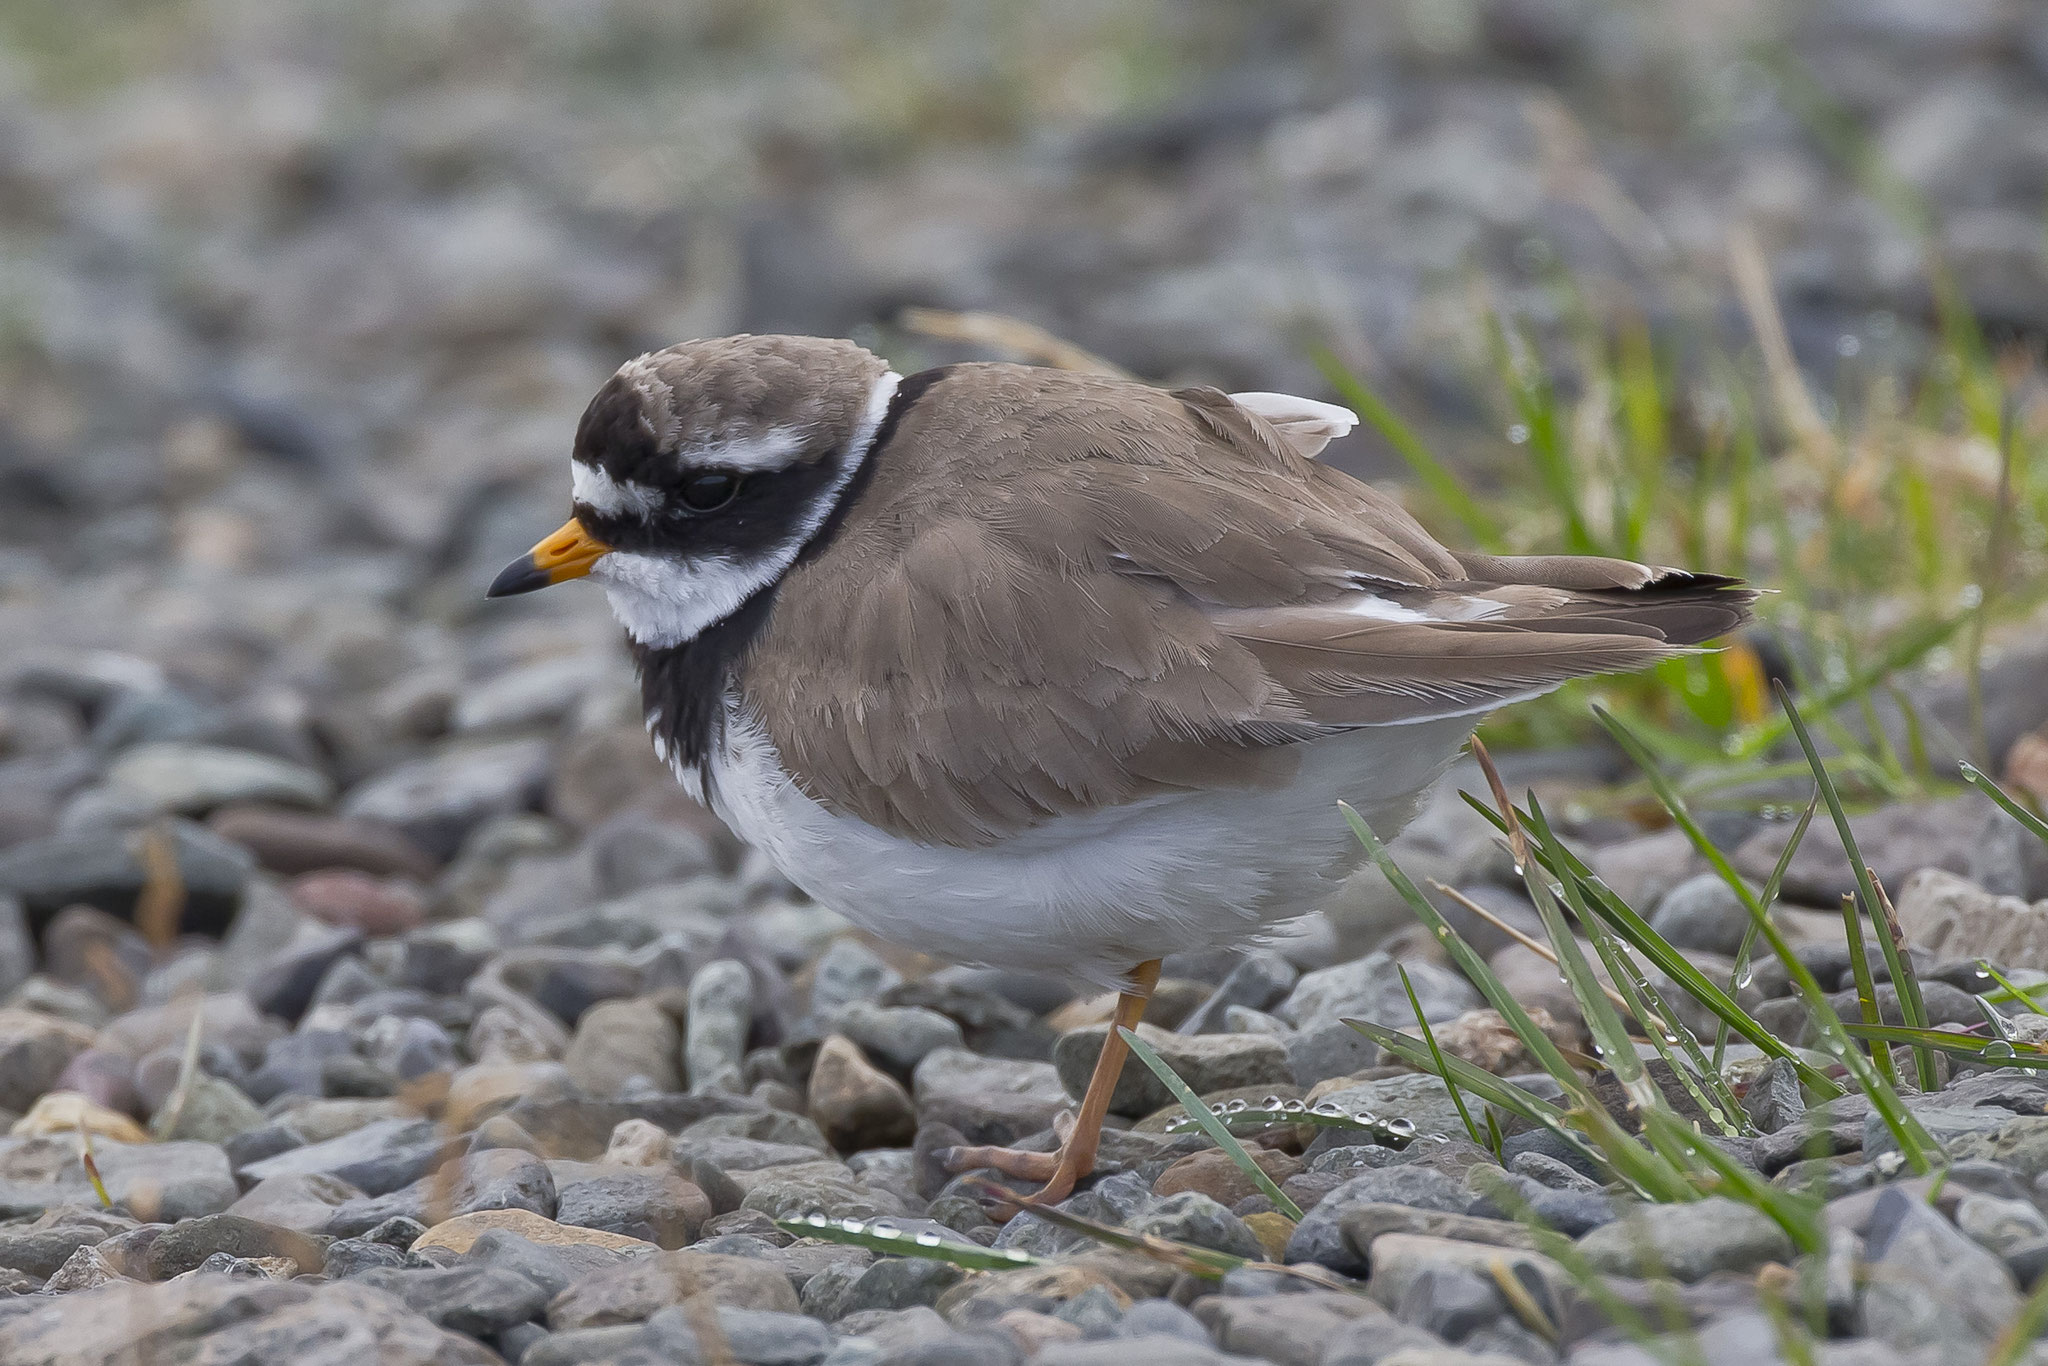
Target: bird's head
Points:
(700, 471)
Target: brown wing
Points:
(1060, 591)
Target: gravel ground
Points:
(504, 1051)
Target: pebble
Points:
(295, 842)
(1207, 1063)
(460, 1233)
(1369, 989)
(1289, 1330)
(1320, 1237)
(897, 1038)
(187, 1244)
(989, 1100)
(654, 1204)
(635, 1291)
(721, 1011)
(856, 1104)
(193, 779)
(437, 801)
(1686, 1241)
(849, 971)
(349, 899)
(1939, 1289)
(618, 1043)
(48, 874)
(217, 1316)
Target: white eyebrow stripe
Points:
(594, 488)
(773, 450)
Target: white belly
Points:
(1090, 896)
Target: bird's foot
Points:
(1058, 1171)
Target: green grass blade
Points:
(1673, 964)
(1436, 1055)
(1913, 1140)
(877, 1235)
(1661, 1024)
(1798, 1215)
(1767, 898)
(1497, 1092)
(1211, 1125)
(1912, 1009)
(2011, 805)
(1986, 1052)
(1866, 989)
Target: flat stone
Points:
(438, 800)
(1423, 1100)
(460, 1233)
(1362, 1223)
(1955, 918)
(377, 1158)
(753, 1337)
(1401, 1259)
(2019, 1143)
(1206, 1062)
(654, 1203)
(990, 1100)
(226, 1018)
(493, 1179)
(294, 842)
(476, 1300)
(303, 1201)
(56, 871)
(193, 779)
(1320, 1237)
(634, 1292)
(1041, 1289)
(1191, 1217)
(1369, 988)
(897, 1038)
(211, 1318)
(1898, 840)
(581, 1128)
(1686, 1241)
(1931, 1287)
(186, 1245)
(1288, 1330)
(67, 1112)
(349, 899)
(1214, 1174)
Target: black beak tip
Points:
(520, 576)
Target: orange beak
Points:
(568, 554)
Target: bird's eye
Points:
(709, 491)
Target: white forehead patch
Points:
(592, 487)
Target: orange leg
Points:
(1076, 1156)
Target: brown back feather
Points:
(1060, 591)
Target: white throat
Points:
(663, 601)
